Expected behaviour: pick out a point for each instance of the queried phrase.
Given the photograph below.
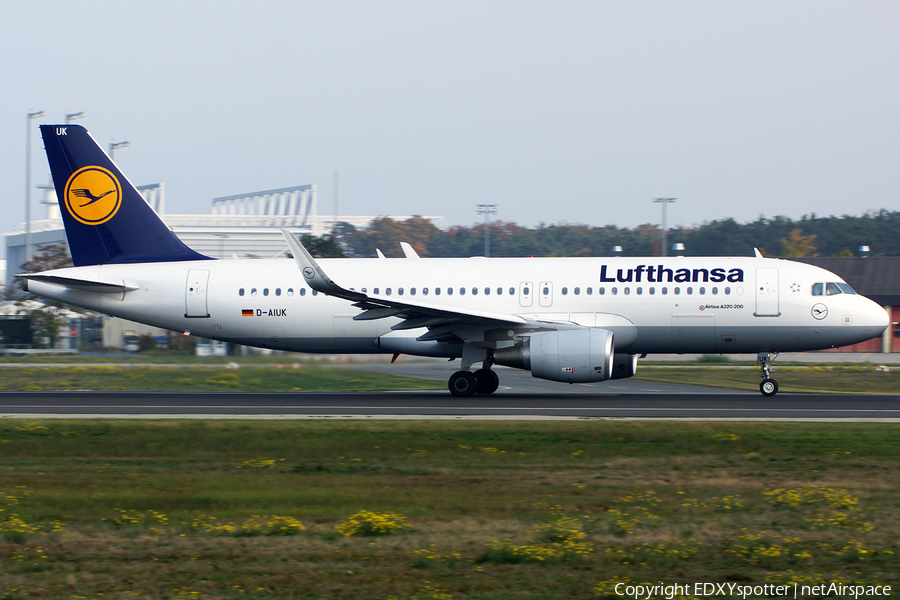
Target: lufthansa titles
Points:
(661, 274)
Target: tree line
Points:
(779, 236)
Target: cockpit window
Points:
(845, 288)
(832, 288)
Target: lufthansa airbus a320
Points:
(570, 320)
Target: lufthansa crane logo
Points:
(93, 195)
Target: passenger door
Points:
(767, 293)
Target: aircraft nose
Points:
(877, 319)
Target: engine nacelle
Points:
(571, 355)
(624, 365)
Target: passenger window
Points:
(424, 291)
(727, 291)
(546, 291)
(487, 291)
(652, 291)
(702, 290)
(399, 291)
(241, 292)
(677, 291)
(525, 290)
(290, 291)
(715, 291)
(614, 291)
(315, 292)
(640, 291)
(449, 291)
(462, 291)
(253, 292)
(601, 291)
(512, 291)
(565, 291)
(577, 291)
(387, 291)
(665, 291)
(818, 288)
(375, 291)
(277, 291)
(412, 291)
(690, 290)
(437, 291)
(265, 291)
(590, 291)
(627, 291)
(474, 291)
(302, 291)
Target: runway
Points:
(520, 396)
(436, 405)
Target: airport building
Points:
(239, 226)
(242, 226)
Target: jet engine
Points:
(570, 355)
(624, 365)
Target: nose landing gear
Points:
(768, 386)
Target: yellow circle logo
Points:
(93, 195)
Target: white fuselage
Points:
(654, 305)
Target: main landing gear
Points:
(768, 386)
(483, 381)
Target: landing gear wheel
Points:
(486, 381)
(462, 384)
(768, 387)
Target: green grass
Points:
(495, 510)
(304, 377)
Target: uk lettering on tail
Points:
(571, 320)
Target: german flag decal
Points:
(247, 312)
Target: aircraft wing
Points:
(439, 319)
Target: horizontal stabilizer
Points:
(84, 285)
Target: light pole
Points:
(29, 117)
(72, 116)
(487, 210)
(664, 201)
(114, 145)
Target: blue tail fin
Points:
(106, 219)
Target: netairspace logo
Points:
(735, 590)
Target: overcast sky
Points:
(556, 111)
